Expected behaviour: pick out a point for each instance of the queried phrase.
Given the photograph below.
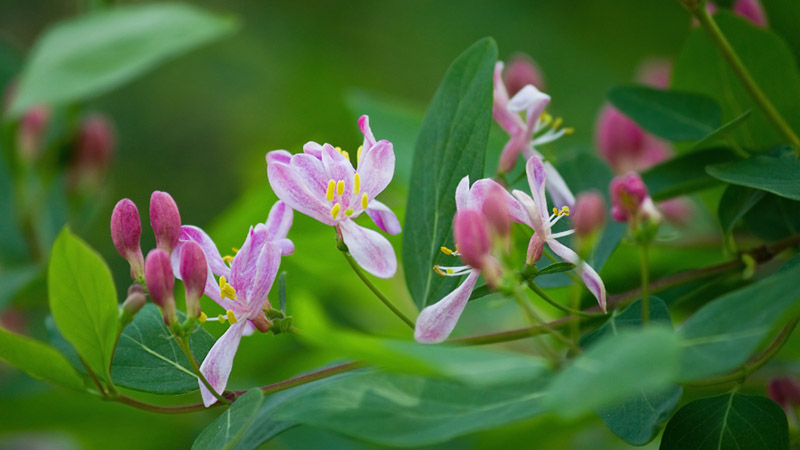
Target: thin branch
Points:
(375, 290)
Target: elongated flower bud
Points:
(94, 149)
(521, 71)
(589, 213)
(31, 133)
(784, 391)
(471, 234)
(752, 11)
(126, 229)
(495, 209)
(160, 283)
(132, 304)
(194, 273)
(624, 144)
(628, 193)
(165, 220)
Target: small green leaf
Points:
(148, 359)
(684, 174)
(15, 279)
(480, 292)
(780, 176)
(92, 54)
(672, 115)
(724, 131)
(736, 201)
(556, 268)
(83, 300)
(728, 421)
(227, 429)
(647, 359)
(38, 360)
(451, 145)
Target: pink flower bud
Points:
(194, 273)
(495, 210)
(655, 72)
(785, 392)
(471, 234)
(94, 149)
(535, 249)
(165, 220)
(135, 300)
(31, 132)
(752, 11)
(628, 193)
(521, 71)
(625, 145)
(126, 229)
(160, 283)
(678, 211)
(589, 213)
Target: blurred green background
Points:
(199, 126)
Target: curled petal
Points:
(534, 218)
(509, 121)
(369, 138)
(314, 149)
(590, 278)
(436, 322)
(279, 221)
(462, 193)
(336, 165)
(537, 177)
(219, 361)
(279, 156)
(291, 188)
(370, 250)
(286, 246)
(215, 262)
(483, 187)
(558, 189)
(376, 168)
(383, 217)
(530, 100)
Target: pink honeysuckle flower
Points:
(749, 9)
(322, 183)
(539, 218)
(625, 145)
(242, 287)
(522, 70)
(472, 231)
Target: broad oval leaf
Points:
(227, 429)
(38, 359)
(94, 53)
(728, 421)
(773, 218)
(684, 174)
(451, 145)
(780, 176)
(148, 359)
(83, 300)
(672, 115)
(736, 201)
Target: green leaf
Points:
(556, 268)
(780, 176)
(92, 54)
(480, 292)
(723, 334)
(672, 115)
(12, 243)
(451, 145)
(227, 429)
(773, 218)
(647, 359)
(404, 410)
(684, 174)
(722, 132)
(701, 68)
(83, 300)
(15, 279)
(148, 359)
(728, 421)
(637, 419)
(38, 360)
(782, 17)
(736, 201)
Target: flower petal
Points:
(481, 189)
(314, 149)
(309, 169)
(534, 219)
(245, 263)
(279, 156)
(291, 188)
(286, 246)
(267, 264)
(512, 149)
(279, 221)
(369, 138)
(215, 261)
(336, 165)
(436, 322)
(590, 278)
(537, 177)
(376, 168)
(211, 288)
(383, 217)
(557, 188)
(219, 361)
(370, 249)
(530, 100)
(462, 193)
(509, 121)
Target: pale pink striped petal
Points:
(376, 168)
(314, 149)
(310, 170)
(266, 268)
(286, 246)
(245, 263)
(279, 221)
(462, 193)
(532, 101)
(590, 278)
(291, 188)
(336, 165)
(509, 121)
(537, 177)
(217, 365)
(213, 257)
(557, 188)
(481, 189)
(383, 217)
(534, 218)
(370, 249)
(279, 156)
(369, 138)
(436, 322)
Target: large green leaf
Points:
(12, 243)
(782, 16)
(736, 201)
(684, 174)
(728, 421)
(701, 68)
(636, 360)
(723, 334)
(780, 176)
(773, 218)
(83, 300)
(451, 145)
(148, 358)
(227, 429)
(638, 418)
(92, 54)
(672, 115)
(38, 359)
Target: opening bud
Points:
(165, 220)
(521, 71)
(194, 273)
(160, 283)
(628, 193)
(589, 213)
(471, 234)
(495, 209)
(126, 229)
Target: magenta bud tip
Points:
(165, 220)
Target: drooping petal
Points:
(370, 249)
(309, 169)
(462, 193)
(291, 188)
(369, 138)
(314, 149)
(537, 177)
(219, 361)
(245, 264)
(286, 246)
(279, 221)
(534, 218)
(557, 188)
(509, 121)
(383, 217)
(279, 156)
(481, 189)
(589, 276)
(437, 321)
(376, 168)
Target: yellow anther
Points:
(555, 210)
(231, 316)
(340, 187)
(559, 121)
(221, 318)
(235, 250)
(345, 154)
(339, 149)
(565, 210)
(358, 153)
(203, 317)
(335, 210)
(439, 271)
(356, 183)
(348, 212)
(228, 259)
(547, 118)
(569, 130)
(226, 290)
(364, 201)
(329, 191)
(446, 251)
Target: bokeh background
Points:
(199, 126)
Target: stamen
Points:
(439, 271)
(569, 130)
(228, 259)
(225, 289)
(203, 317)
(340, 187)
(547, 118)
(221, 318)
(235, 250)
(561, 234)
(358, 154)
(329, 192)
(364, 201)
(231, 317)
(345, 154)
(357, 181)
(555, 211)
(446, 251)
(348, 212)
(559, 121)
(565, 210)
(335, 210)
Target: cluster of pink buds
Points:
(631, 203)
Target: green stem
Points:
(375, 290)
(566, 309)
(309, 377)
(183, 343)
(547, 328)
(764, 103)
(162, 409)
(645, 284)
